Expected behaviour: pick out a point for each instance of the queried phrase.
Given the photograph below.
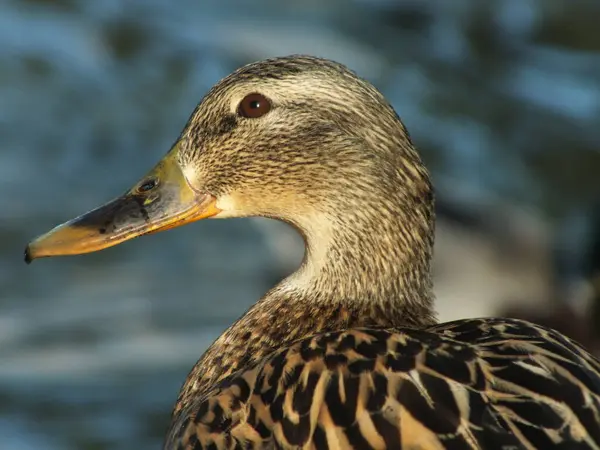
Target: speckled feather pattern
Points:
(469, 384)
(346, 353)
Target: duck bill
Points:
(163, 200)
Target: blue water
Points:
(93, 349)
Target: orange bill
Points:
(161, 201)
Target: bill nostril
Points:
(148, 185)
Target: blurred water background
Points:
(502, 97)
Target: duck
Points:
(346, 352)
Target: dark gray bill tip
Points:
(28, 257)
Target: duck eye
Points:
(148, 185)
(253, 106)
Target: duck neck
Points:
(370, 243)
(362, 270)
(369, 262)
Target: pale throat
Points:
(367, 253)
(350, 258)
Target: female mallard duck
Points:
(346, 352)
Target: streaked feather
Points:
(468, 384)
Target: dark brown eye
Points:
(253, 106)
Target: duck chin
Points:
(230, 207)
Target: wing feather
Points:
(470, 384)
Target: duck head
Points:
(300, 139)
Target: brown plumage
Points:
(344, 353)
